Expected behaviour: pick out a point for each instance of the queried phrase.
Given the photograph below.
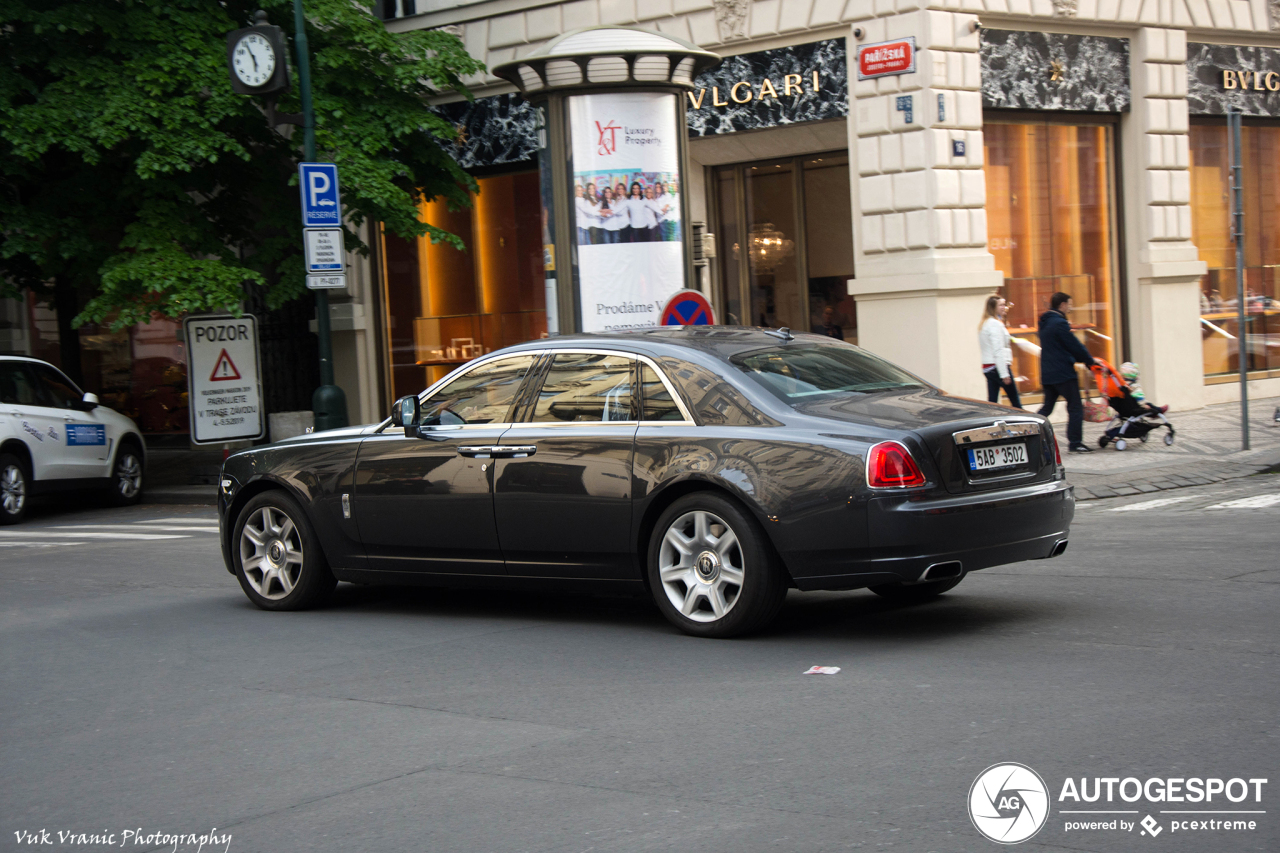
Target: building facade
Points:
(1034, 146)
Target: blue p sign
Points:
(321, 206)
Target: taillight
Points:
(890, 466)
(1057, 453)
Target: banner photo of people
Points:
(626, 196)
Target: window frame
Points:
(636, 359)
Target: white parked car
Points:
(54, 437)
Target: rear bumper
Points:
(907, 536)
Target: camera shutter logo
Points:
(1008, 803)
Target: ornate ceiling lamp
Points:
(768, 247)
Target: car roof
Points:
(23, 358)
(721, 342)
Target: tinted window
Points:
(796, 374)
(57, 389)
(481, 396)
(715, 401)
(658, 405)
(586, 388)
(16, 385)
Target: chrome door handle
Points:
(476, 451)
(515, 451)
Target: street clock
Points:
(256, 58)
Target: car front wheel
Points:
(711, 570)
(15, 488)
(277, 557)
(126, 476)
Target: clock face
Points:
(254, 60)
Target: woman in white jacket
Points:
(997, 351)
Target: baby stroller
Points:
(1133, 419)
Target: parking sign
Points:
(321, 206)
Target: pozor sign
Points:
(224, 382)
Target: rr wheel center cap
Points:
(707, 565)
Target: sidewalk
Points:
(1206, 450)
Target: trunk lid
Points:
(949, 428)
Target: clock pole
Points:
(328, 403)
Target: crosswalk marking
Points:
(190, 519)
(143, 526)
(1254, 502)
(20, 543)
(1144, 505)
(94, 534)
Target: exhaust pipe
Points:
(943, 571)
(1059, 548)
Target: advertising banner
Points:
(626, 197)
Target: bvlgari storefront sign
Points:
(807, 82)
(1225, 75)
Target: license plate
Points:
(1004, 456)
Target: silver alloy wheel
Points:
(701, 567)
(128, 474)
(271, 552)
(13, 489)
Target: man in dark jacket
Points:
(1059, 352)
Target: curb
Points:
(1164, 479)
(188, 495)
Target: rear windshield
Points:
(798, 373)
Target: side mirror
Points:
(405, 414)
(88, 403)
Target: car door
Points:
(83, 449)
(425, 504)
(30, 422)
(562, 496)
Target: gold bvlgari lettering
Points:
(715, 98)
(733, 93)
(787, 84)
(697, 102)
(766, 88)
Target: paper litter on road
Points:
(822, 670)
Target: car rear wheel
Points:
(915, 593)
(277, 557)
(126, 476)
(711, 570)
(15, 488)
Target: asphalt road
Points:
(142, 692)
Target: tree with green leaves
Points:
(135, 182)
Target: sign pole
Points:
(1237, 232)
(329, 402)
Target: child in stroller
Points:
(1135, 418)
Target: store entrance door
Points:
(785, 233)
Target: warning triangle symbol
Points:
(224, 369)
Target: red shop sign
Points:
(887, 57)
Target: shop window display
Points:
(786, 255)
(1211, 207)
(445, 307)
(1051, 227)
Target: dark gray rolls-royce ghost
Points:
(716, 466)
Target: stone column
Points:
(922, 265)
(1164, 268)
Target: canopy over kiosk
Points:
(611, 155)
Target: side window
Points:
(715, 401)
(58, 390)
(15, 384)
(481, 396)
(583, 388)
(658, 405)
